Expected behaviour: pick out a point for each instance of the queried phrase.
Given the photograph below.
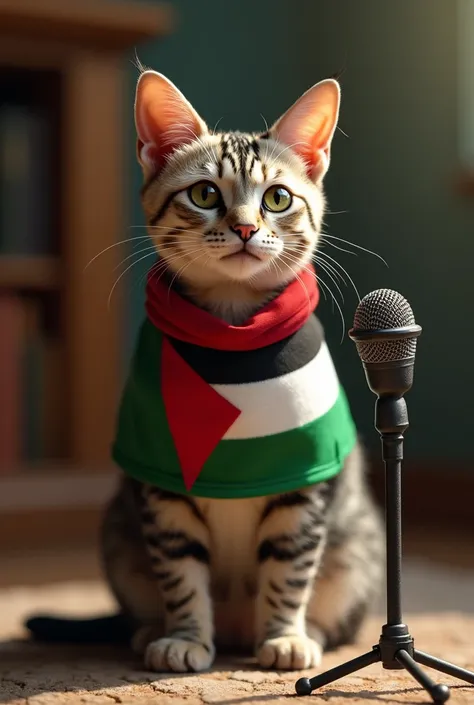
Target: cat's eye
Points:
(277, 199)
(204, 195)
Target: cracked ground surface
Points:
(45, 675)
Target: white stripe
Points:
(284, 403)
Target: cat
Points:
(235, 221)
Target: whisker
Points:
(333, 279)
(163, 264)
(331, 267)
(115, 244)
(177, 274)
(298, 278)
(215, 126)
(353, 244)
(290, 146)
(149, 254)
(341, 249)
(267, 141)
(341, 130)
(211, 157)
(134, 254)
(162, 248)
(123, 274)
(328, 288)
(324, 266)
(168, 227)
(323, 283)
(325, 254)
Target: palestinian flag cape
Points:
(215, 410)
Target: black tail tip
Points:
(113, 629)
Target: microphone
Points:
(385, 334)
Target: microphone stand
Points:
(395, 649)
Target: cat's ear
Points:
(309, 125)
(164, 120)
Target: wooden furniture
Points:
(73, 55)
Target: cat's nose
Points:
(244, 230)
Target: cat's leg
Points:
(352, 573)
(349, 583)
(291, 543)
(177, 540)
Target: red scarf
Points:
(178, 318)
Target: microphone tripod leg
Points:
(439, 693)
(444, 666)
(305, 686)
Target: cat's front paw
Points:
(178, 655)
(289, 653)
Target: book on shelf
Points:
(25, 161)
(10, 381)
(31, 384)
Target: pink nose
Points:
(245, 231)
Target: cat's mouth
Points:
(241, 256)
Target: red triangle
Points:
(198, 417)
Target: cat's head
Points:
(233, 212)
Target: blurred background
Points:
(401, 185)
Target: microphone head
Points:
(381, 310)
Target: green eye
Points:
(277, 199)
(204, 195)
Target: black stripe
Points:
(190, 549)
(290, 499)
(286, 549)
(289, 603)
(298, 583)
(162, 209)
(226, 145)
(162, 575)
(173, 605)
(275, 587)
(229, 367)
(280, 618)
(252, 164)
(167, 496)
(306, 565)
(271, 602)
(310, 212)
(176, 544)
(172, 583)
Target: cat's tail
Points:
(110, 629)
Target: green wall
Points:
(392, 175)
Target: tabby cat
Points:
(234, 220)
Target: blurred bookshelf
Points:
(62, 186)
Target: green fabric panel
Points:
(283, 462)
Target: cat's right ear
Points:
(164, 120)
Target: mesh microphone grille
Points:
(382, 309)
